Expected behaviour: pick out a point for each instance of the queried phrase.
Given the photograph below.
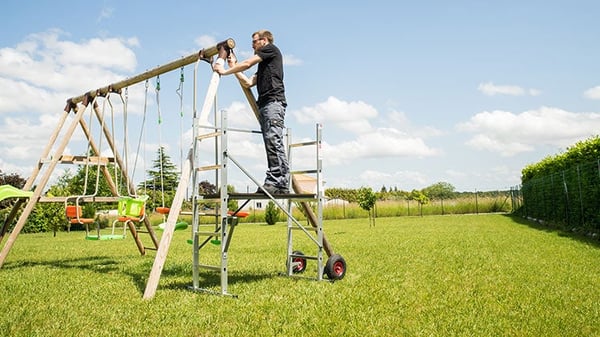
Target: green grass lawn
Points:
(470, 275)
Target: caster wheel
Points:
(298, 263)
(335, 268)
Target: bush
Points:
(271, 213)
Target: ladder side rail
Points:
(290, 248)
(196, 139)
(195, 216)
(320, 196)
(224, 199)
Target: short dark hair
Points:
(263, 33)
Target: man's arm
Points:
(238, 68)
(245, 81)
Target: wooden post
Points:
(165, 240)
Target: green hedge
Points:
(565, 189)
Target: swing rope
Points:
(142, 134)
(160, 148)
(125, 102)
(179, 92)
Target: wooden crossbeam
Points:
(85, 160)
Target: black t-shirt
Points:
(269, 81)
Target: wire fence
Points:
(569, 199)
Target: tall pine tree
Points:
(162, 177)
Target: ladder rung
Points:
(304, 172)
(303, 144)
(199, 213)
(208, 135)
(208, 233)
(308, 257)
(305, 228)
(206, 266)
(149, 248)
(208, 168)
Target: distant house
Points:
(306, 184)
(335, 202)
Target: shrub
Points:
(271, 213)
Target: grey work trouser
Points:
(271, 118)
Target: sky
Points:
(408, 93)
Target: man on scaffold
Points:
(271, 104)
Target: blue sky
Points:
(409, 93)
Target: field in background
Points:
(458, 275)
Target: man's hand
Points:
(231, 60)
(218, 66)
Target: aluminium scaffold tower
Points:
(226, 220)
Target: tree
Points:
(421, 198)
(271, 213)
(162, 182)
(14, 180)
(80, 185)
(52, 215)
(366, 201)
(440, 190)
(232, 204)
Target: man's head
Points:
(261, 38)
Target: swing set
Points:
(131, 207)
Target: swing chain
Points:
(179, 92)
(157, 98)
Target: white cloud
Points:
(368, 141)
(508, 133)
(380, 143)
(350, 116)
(291, 60)
(592, 93)
(490, 89)
(37, 76)
(64, 67)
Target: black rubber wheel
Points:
(335, 268)
(299, 263)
